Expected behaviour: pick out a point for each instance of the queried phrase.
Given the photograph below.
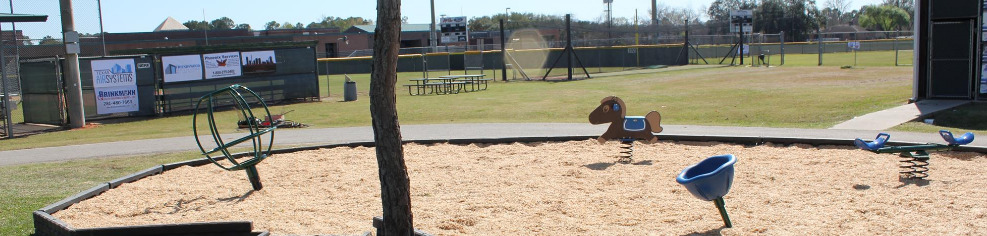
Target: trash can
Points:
(349, 91)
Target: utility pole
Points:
(102, 33)
(503, 51)
(73, 83)
(609, 20)
(431, 37)
(654, 18)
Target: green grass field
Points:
(962, 119)
(27, 188)
(804, 97)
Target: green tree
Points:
(223, 23)
(341, 23)
(196, 25)
(803, 17)
(272, 25)
(48, 40)
(770, 15)
(243, 26)
(287, 25)
(884, 18)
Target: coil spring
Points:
(913, 168)
(627, 150)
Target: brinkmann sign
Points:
(115, 85)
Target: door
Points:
(952, 64)
(331, 50)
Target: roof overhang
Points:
(7, 17)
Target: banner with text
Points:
(115, 86)
(259, 62)
(182, 68)
(222, 65)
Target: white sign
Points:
(740, 18)
(258, 57)
(181, 68)
(117, 99)
(746, 49)
(115, 86)
(113, 72)
(222, 65)
(853, 45)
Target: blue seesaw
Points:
(915, 158)
(710, 180)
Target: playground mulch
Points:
(566, 188)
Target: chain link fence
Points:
(44, 39)
(875, 48)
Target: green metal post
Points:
(723, 211)
(255, 177)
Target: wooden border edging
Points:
(46, 224)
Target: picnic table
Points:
(434, 86)
(474, 81)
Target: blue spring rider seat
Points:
(967, 138)
(710, 180)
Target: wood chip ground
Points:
(567, 188)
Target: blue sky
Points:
(139, 16)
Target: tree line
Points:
(799, 19)
(225, 23)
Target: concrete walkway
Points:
(326, 136)
(886, 119)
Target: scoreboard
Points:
(454, 29)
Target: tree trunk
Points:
(394, 184)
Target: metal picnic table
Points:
(474, 81)
(435, 86)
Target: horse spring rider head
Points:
(613, 111)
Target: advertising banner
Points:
(117, 99)
(115, 86)
(113, 72)
(853, 45)
(222, 65)
(181, 68)
(259, 62)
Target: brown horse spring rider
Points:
(613, 111)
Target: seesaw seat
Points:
(878, 142)
(967, 138)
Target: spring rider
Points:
(627, 129)
(217, 98)
(915, 158)
(710, 180)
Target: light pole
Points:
(432, 38)
(506, 15)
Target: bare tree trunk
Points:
(394, 184)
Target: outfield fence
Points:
(893, 48)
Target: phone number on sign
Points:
(118, 103)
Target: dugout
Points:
(949, 57)
(163, 81)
